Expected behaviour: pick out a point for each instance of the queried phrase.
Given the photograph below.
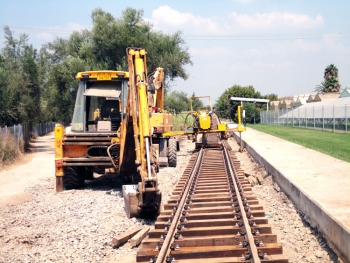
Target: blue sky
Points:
(279, 47)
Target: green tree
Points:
(271, 97)
(197, 104)
(104, 47)
(19, 82)
(227, 109)
(176, 101)
(331, 82)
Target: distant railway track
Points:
(212, 216)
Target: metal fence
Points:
(24, 132)
(335, 118)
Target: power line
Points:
(266, 37)
(238, 37)
(41, 29)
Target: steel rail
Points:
(165, 250)
(248, 236)
(211, 202)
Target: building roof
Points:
(326, 96)
(346, 92)
(311, 98)
(337, 108)
(286, 98)
(250, 99)
(302, 100)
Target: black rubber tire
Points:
(89, 175)
(73, 178)
(172, 157)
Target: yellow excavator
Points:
(111, 133)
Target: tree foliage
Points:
(179, 101)
(331, 82)
(176, 101)
(19, 81)
(104, 47)
(197, 104)
(227, 109)
(41, 86)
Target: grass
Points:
(334, 144)
(179, 121)
(9, 151)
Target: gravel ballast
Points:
(78, 225)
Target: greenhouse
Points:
(331, 114)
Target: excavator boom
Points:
(143, 198)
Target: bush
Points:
(9, 150)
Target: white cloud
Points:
(211, 52)
(44, 36)
(276, 19)
(244, 1)
(165, 17)
(168, 19)
(74, 27)
(332, 42)
(279, 65)
(50, 33)
(306, 46)
(255, 52)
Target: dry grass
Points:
(9, 150)
(179, 121)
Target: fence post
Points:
(346, 118)
(14, 132)
(19, 133)
(299, 116)
(305, 117)
(333, 120)
(293, 117)
(6, 129)
(322, 117)
(313, 113)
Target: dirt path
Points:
(16, 178)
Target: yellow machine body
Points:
(161, 122)
(111, 133)
(204, 120)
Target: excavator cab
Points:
(99, 104)
(92, 143)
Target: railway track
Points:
(212, 216)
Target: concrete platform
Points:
(318, 184)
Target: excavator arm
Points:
(157, 97)
(145, 197)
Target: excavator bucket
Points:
(131, 200)
(150, 202)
